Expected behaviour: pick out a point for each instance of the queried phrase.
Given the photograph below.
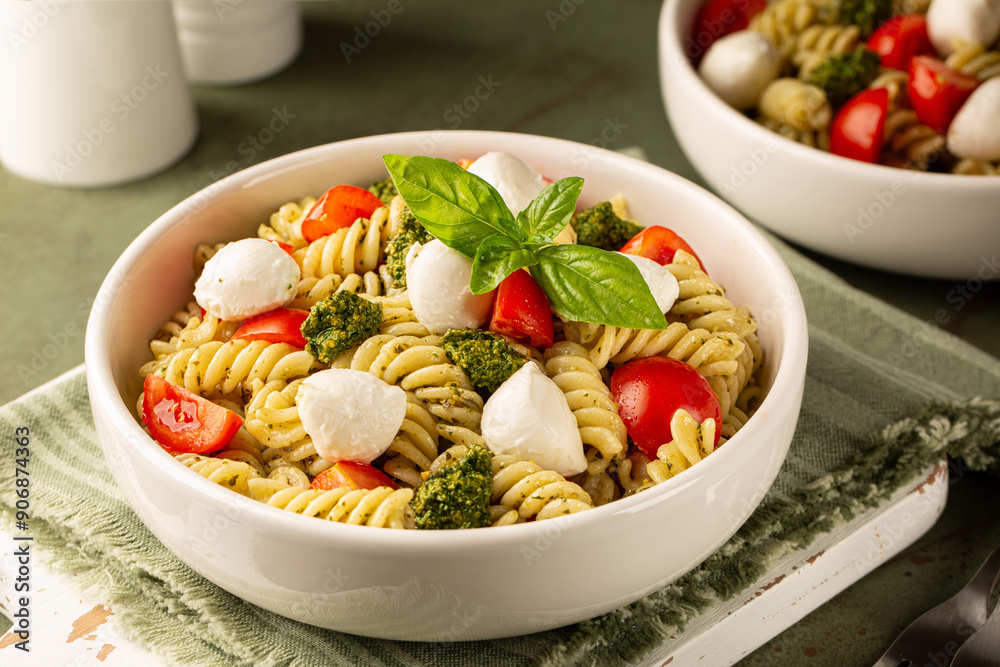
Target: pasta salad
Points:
(905, 83)
(458, 345)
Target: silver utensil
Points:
(936, 636)
(983, 648)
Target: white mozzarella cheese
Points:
(975, 131)
(350, 415)
(528, 417)
(246, 278)
(512, 177)
(970, 21)
(739, 66)
(437, 279)
(661, 282)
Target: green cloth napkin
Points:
(886, 396)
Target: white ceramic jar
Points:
(91, 93)
(232, 42)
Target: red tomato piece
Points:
(287, 247)
(522, 311)
(858, 129)
(338, 207)
(650, 390)
(717, 18)
(659, 244)
(351, 475)
(182, 421)
(281, 325)
(936, 91)
(899, 39)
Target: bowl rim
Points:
(670, 36)
(786, 384)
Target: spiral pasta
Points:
(523, 490)
(632, 475)
(783, 21)
(796, 103)
(729, 388)
(227, 369)
(312, 289)
(692, 442)
(285, 224)
(234, 475)
(908, 142)
(243, 446)
(710, 353)
(398, 318)
(703, 303)
(974, 60)
(894, 81)
(194, 332)
(382, 507)
(356, 249)
(601, 487)
(818, 42)
(589, 398)
(819, 138)
(973, 167)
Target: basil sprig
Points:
(469, 216)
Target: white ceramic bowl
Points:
(440, 585)
(924, 224)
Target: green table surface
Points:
(583, 70)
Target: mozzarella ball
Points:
(528, 417)
(739, 66)
(437, 279)
(512, 177)
(246, 278)
(350, 415)
(971, 21)
(975, 131)
(661, 282)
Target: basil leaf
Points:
(550, 211)
(591, 285)
(498, 257)
(455, 206)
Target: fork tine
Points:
(941, 631)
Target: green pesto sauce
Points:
(411, 231)
(384, 190)
(485, 357)
(842, 76)
(598, 226)
(866, 14)
(338, 323)
(458, 495)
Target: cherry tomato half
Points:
(522, 311)
(718, 18)
(351, 475)
(899, 39)
(659, 244)
(338, 207)
(936, 91)
(858, 129)
(650, 390)
(281, 325)
(182, 421)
